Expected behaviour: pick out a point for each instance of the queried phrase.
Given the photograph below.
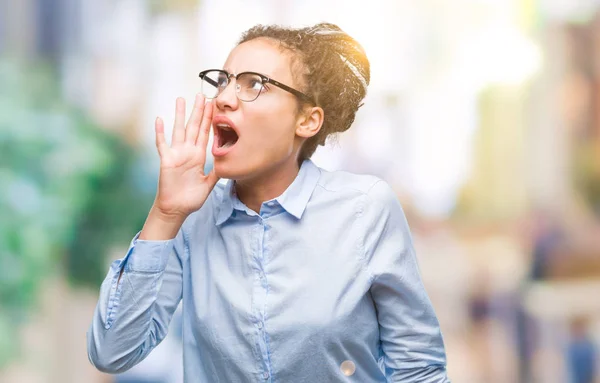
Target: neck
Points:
(266, 186)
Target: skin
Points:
(264, 161)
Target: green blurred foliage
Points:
(66, 193)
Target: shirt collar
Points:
(294, 200)
(296, 196)
(225, 208)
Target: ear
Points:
(310, 122)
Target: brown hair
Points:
(330, 66)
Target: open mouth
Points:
(225, 135)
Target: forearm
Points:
(429, 374)
(133, 311)
(159, 227)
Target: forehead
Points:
(263, 56)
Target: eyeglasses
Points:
(248, 85)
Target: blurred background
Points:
(484, 115)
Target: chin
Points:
(231, 170)
(224, 171)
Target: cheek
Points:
(274, 127)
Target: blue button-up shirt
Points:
(322, 285)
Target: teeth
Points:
(224, 126)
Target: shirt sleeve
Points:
(411, 340)
(133, 313)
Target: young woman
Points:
(287, 273)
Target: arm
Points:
(411, 340)
(137, 300)
(141, 292)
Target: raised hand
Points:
(182, 185)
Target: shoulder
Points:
(373, 198)
(382, 195)
(343, 181)
(372, 189)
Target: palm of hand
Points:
(183, 186)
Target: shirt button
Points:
(266, 375)
(260, 325)
(348, 367)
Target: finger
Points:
(159, 128)
(179, 127)
(193, 125)
(202, 140)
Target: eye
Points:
(222, 81)
(250, 85)
(255, 84)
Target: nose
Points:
(227, 99)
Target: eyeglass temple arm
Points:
(292, 90)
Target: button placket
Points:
(260, 293)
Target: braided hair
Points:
(331, 67)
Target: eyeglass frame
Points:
(265, 80)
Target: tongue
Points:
(227, 144)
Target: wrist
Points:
(161, 226)
(167, 217)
